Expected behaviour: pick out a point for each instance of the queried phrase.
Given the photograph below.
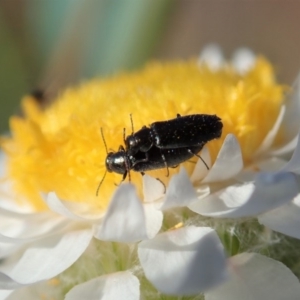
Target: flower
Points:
(60, 240)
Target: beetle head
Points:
(117, 162)
(139, 141)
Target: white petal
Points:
(243, 60)
(48, 289)
(10, 240)
(45, 258)
(7, 249)
(7, 201)
(5, 188)
(153, 189)
(270, 137)
(285, 219)
(228, 163)
(121, 285)
(202, 191)
(23, 293)
(294, 164)
(72, 210)
(285, 149)
(18, 228)
(154, 218)
(180, 191)
(7, 283)
(267, 192)
(17, 214)
(200, 170)
(291, 121)
(5, 293)
(185, 261)
(212, 56)
(125, 219)
(2, 164)
(224, 202)
(271, 164)
(256, 277)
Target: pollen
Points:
(53, 282)
(61, 149)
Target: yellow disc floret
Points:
(60, 149)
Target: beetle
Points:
(165, 144)
(181, 132)
(121, 162)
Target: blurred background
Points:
(48, 44)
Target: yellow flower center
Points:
(61, 149)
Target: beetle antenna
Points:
(132, 129)
(103, 140)
(100, 183)
(124, 134)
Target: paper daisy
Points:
(196, 234)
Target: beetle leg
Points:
(142, 160)
(121, 149)
(124, 177)
(143, 173)
(165, 189)
(165, 163)
(199, 157)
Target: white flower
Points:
(133, 249)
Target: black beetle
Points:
(122, 162)
(181, 132)
(165, 144)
